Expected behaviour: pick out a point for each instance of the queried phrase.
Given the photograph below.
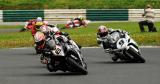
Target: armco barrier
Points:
(1, 16)
(136, 14)
(107, 14)
(21, 15)
(63, 14)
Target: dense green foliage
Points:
(83, 36)
(77, 4)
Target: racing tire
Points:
(50, 67)
(77, 66)
(136, 55)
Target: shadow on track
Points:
(24, 67)
(47, 74)
(119, 62)
(57, 74)
(25, 53)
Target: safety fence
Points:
(1, 15)
(21, 15)
(136, 14)
(107, 14)
(59, 15)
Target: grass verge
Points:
(84, 36)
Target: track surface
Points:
(22, 66)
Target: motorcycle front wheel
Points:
(136, 55)
(77, 66)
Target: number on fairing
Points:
(58, 50)
(121, 42)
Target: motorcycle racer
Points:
(103, 33)
(76, 22)
(48, 42)
(81, 20)
(33, 25)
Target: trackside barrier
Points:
(136, 14)
(21, 15)
(107, 14)
(1, 16)
(63, 15)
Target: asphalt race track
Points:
(22, 66)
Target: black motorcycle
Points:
(66, 56)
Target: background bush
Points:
(77, 4)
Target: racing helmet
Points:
(38, 25)
(39, 19)
(102, 31)
(80, 17)
(39, 38)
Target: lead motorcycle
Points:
(123, 47)
(66, 56)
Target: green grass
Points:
(10, 27)
(85, 36)
(76, 4)
(11, 40)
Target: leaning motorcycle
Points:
(76, 23)
(66, 56)
(123, 47)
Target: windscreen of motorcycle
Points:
(113, 38)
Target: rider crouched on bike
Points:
(48, 43)
(49, 31)
(103, 33)
(81, 21)
(33, 25)
(76, 22)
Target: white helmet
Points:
(102, 30)
(39, 19)
(38, 37)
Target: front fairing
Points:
(113, 38)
